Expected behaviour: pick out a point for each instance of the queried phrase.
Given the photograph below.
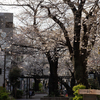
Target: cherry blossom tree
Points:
(79, 31)
(84, 31)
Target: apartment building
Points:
(6, 33)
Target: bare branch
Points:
(71, 4)
(62, 27)
(80, 7)
(14, 4)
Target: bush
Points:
(19, 93)
(4, 95)
(94, 84)
(98, 97)
(71, 98)
(75, 89)
(40, 86)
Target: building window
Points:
(0, 71)
(9, 24)
(1, 22)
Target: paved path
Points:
(35, 97)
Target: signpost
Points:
(89, 94)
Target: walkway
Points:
(35, 97)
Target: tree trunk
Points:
(68, 88)
(80, 71)
(14, 91)
(79, 57)
(83, 74)
(72, 80)
(53, 79)
(36, 85)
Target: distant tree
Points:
(14, 75)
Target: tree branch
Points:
(25, 46)
(80, 7)
(14, 4)
(62, 27)
(92, 25)
(71, 4)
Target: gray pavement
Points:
(35, 97)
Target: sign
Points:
(89, 91)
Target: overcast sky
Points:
(9, 9)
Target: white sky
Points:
(14, 10)
(9, 9)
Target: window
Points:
(1, 22)
(9, 24)
(0, 71)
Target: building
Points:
(6, 33)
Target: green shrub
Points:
(98, 97)
(94, 84)
(4, 95)
(40, 86)
(75, 89)
(19, 93)
(11, 98)
(71, 98)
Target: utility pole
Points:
(4, 66)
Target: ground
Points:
(35, 97)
